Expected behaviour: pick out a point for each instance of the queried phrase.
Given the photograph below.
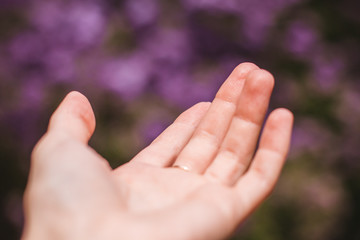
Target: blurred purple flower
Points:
(75, 25)
(182, 60)
(239, 6)
(258, 16)
(168, 46)
(126, 76)
(60, 65)
(26, 48)
(173, 86)
(142, 12)
(219, 5)
(88, 22)
(32, 93)
(256, 26)
(45, 15)
(181, 88)
(12, 3)
(327, 73)
(301, 39)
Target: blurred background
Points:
(142, 62)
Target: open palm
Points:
(198, 180)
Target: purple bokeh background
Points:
(142, 62)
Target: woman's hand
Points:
(198, 180)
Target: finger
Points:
(70, 128)
(165, 148)
(202, 147)
(65, 172)
(74, 117)
(63, 151)
(240, 141)
(259, 180)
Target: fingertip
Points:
(81, 108)
(232, 87)
(277, 131)
(74, 116)
(282, 115)
(75, 94)
(243, 69)
(246, 66)
(261, 77)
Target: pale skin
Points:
(198, 180)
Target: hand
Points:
(198, 180)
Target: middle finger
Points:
(202, 147)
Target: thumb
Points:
(74, 117)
